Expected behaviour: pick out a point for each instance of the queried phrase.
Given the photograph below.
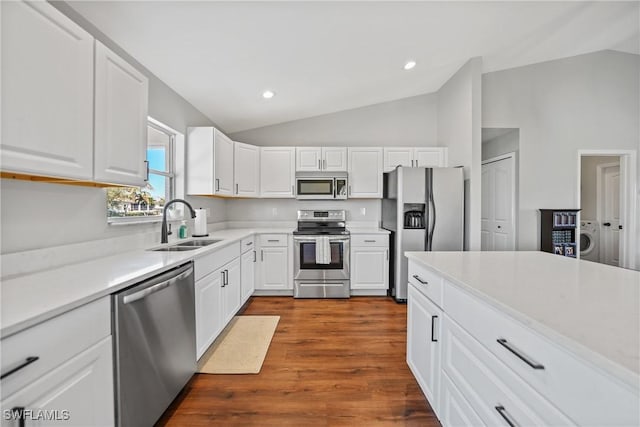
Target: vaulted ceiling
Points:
(322, 57)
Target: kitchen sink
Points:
(197, 243)
(174, 248)
(186, 246)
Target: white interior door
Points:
(610, 215)
(498, 204)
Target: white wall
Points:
(459, 129)
(406, 122)
(35, 215)
(503, 144)
(588, 184)
(584, 102)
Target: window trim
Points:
(174, 136)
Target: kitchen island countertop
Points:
(591, 309)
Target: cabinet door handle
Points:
(387, 254)
(513, 349)
(254, 256)
(606, 224)
(324, 164)
(236, 188)
(433, 329)
(505, 415)
(18, 413)
(261, 255)
(349, 190)
(217, 184)
(249, 244)
(293, 191)
(424, 282)
(319, 164)
(224, 282)
(28, 361)
(273, 240)
(146, 174)
(369, 241)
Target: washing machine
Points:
(590, 240)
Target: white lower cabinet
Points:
(423, 344)
(77, 393)
(208, 318)
(62, 370)
(455, 411)
(369, 262)
(489, 369)
(247, 275)
(230, 301)
(274, 273)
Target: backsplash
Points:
(358, 210)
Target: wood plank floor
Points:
(331, 363)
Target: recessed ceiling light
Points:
(409, 65)
(268, 94)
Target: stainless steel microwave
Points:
(321, 186)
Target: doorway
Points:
(606, 198)
(500, 148)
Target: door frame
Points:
(628, 201)
(514, 192)
(600, 204)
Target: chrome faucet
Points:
(164, 233)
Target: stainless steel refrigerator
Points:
(423, 208)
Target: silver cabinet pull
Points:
(254, 256)
(349, 190)
(369, 241)
(249, 243)
(293, 191)
(319, 164)
(424, 282)
(273, 240)
(513, 349)
(324, 164)
(236, 188)
(387, 254)
(433, 329)
(217, 184)
(261, 255)
(505, 415)
(146, 165)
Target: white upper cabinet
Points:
(209, 162)
(246, 170)
(121, 103)
(414, 157)
(277, 171)
(313, 159)
(47, 92)
(365, 172)
(427, 157)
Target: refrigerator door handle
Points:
(432, 220)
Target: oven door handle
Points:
(311, 239)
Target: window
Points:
(147, 203)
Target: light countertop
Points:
(33, 298)
(592, 309)
(367, 230)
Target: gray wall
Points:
(584, 102)
(588, 184)
(35, 215)
(459, 129)
(406, 122)
(503, 144)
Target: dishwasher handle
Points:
(181, 274)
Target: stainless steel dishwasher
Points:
(155, 344)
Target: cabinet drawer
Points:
(53, 342)
(426, 281)
(369, 240)
(247, 244)
(486, 383)
(273, 240)
(581, 391)
(214, 260)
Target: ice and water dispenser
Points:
(414, 216)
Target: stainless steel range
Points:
(321, 255)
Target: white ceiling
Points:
(322, 57)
